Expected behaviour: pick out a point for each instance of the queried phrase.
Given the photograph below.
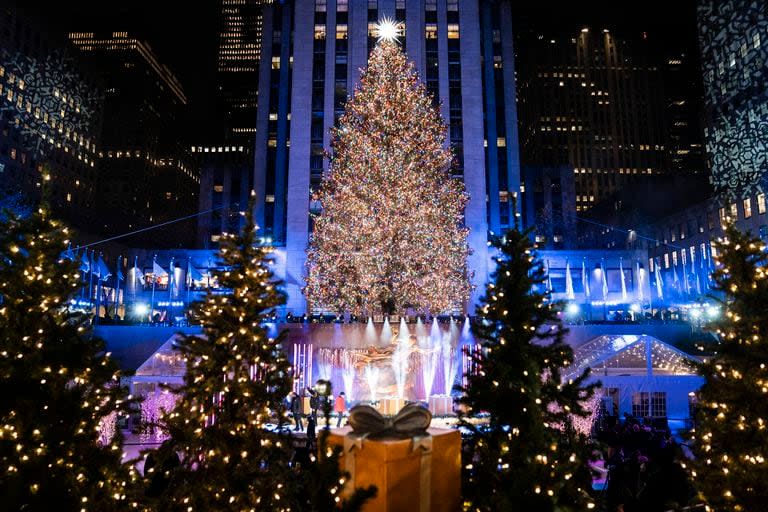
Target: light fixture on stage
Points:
(141, 309)
(635, 308)
(713, 312)
(573, 309)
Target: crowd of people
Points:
(318, 403)
(641, 470)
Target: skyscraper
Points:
(733, 36)
(594, 101)
(146, 178)
(312, 52)
(237, 66)
(50, 118)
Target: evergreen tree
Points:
(526, 457)
(59, 387)
(237, 378)
(731, 434)
(390, 235)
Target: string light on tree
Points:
(236, 381)
(390, 235)
(528, 456)
(730, 440)
(59, 444)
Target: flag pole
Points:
(90, 279)
(171, 284)
(117, 285)
(154, 279)
(188, 280)
(135, 276)
(98, 294)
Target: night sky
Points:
(183, 33)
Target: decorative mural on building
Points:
(734, 42)
(51, 105)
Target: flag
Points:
(549, 279)
(675, 279)
(623, 281)
(120, 275)
(659, 284)
(605, 281)
(568, 282)
(68, 254)
(171, 276)
(640, 284)
(585, 279)
(158, 270)
(102, 270)
(85, 263)
(137, 273)
(192, 273)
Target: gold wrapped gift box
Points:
(441, 405)
(390, 406)
(420, 474)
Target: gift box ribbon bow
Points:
(412, 420)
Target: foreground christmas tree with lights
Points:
(61, 397)
(526, 457)
(390, 235)
(236, 381)
(731, 434)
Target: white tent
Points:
(640, 375)
(165, 366)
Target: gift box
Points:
(420, 473)
(441, 405)
(390, 406)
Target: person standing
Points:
(340, 407)
(297, 406)
(314, 403)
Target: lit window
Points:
(734, 211)
(453, 31)
(761, 203)
(341, 31)
(747, 207)
(218, 188)
(319, 31)
(69, 197)
(276, 62)
(756, 40)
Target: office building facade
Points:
(594, 101)
(50, 118)
(146, 178)
(237, 67)
(312, 53)
(733, 37)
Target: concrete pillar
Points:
(510, 102)
(298, 164)
(474, 153)
(330, 83)
(358, 42)
(414, 34)
(262, 119)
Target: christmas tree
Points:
(390, 235)
(61, 393)
(236, 382)
(731, 434)
(526, 457)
